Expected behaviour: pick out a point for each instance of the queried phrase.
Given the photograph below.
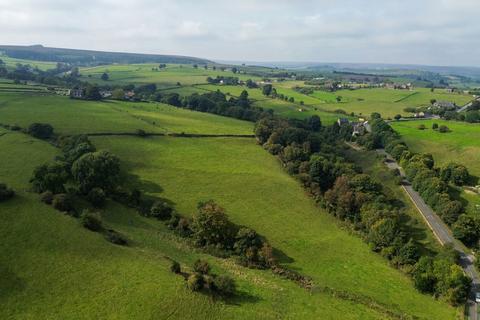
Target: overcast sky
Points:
(434, 32)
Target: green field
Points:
(42, 65)
(461, 145)
(143, 73)
(64, 271)
(51, 268)
(389, 102)
(70, 116)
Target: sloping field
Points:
(64, 271)
(460, 145)
(69, 116)
(143, 73)
(257, 193)
(390, 102)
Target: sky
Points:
(430, 32)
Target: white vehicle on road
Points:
(477, 297)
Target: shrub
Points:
(201, 266)
(116, 238)
(421, 127)
(443, 129)
(5, 192)
(161, 210)
(91, 221)
(47, 197)
(62, 202)
(225, 285)
(40, 130)
(195, 282)
(175, 267)
(96, 197)
(435, 126)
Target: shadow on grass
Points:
(240, 298)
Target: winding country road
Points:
(441, 232)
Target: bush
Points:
(201, 266)
(5, 192)
(434, 126)
(161, 210)
(224, 285)
(62, 202)
(96, 197)
(195, 282)
(443, 129)
(91, 221)
(40, 130)
(47, 197)
(175, 267)
(116, 238)
(421, 127)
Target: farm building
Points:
(77, 93)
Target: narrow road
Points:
(465, 107)
(442, 232)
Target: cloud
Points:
(407, 31)
(191, 29)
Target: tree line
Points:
(432, 183)
(310, 152)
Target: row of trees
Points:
(432, 183)
(310, 152)
(217, 103)
(224, 80)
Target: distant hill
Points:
(41, 53)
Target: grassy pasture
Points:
(42, 65)
(234, 170)
(143, 73)
(66, 272)
(461, 145)
(390, 102)
(69, 116)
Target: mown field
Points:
(65, 271)
(460, 145)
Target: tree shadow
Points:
(281, 256)
(145, 186)
(241, 297)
